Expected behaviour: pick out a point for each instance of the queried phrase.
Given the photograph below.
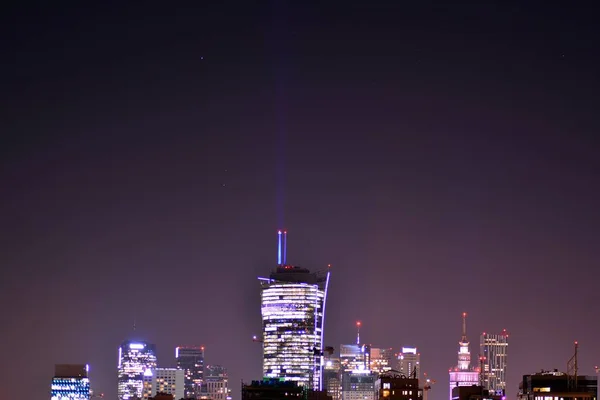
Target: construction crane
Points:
(427, 385)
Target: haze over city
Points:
(440, 156)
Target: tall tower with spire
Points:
(463, 374)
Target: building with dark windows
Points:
(273, 389)
(359, 385)
(331, 377)
(474, 393)
(70, 382)
(191, 360)
(395, 386)
(381, 359)
(494, 349)
(554, 385)
(135, 358)
(293, 314)
(409, 362)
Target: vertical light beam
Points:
(285, 247)
(279, 248)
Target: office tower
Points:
(134, 359)
(463, 374)
(409, 362)
(293, 315)
(331, 377)
(493, 350)
(381, 360)
(554, 385)
(164, 380)
(216, 383)
(354, 357)
(191, 360)
(70, 382)
(391, 386)
(475, 393)
(358, 385)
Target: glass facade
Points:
(293, 313)
(191, 360)
(134, 359)
(70, 389)
(493, 349)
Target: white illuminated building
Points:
(293, 314)
(164, 380)
(463, 374)
(70, 382)
(135, 358)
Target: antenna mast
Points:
(358, 324)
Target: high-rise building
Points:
(191, 360)
(293, 315)
(409, 362)
(164, 380)
(70, 382)
(381, 359)
(331, 377)
(134, 359)
(359, 385)
(493, 350)
(463, 374)
(355, 357)
(216, 383)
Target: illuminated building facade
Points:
(70, 382)
(164, 380)
(381, 360)
(355, 357)
(293, 315)
(134, 359)
(191, 360)
(463, 374)
(409, 362)
(494, 349)
(331, 377)
(358, 385)
(216, 383)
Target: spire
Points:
(358, 324)
(464, 328)
(279, 247)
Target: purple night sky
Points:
(441, 157)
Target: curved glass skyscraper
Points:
(293, 315)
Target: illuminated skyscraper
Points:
(493, 350)
(70, 382)
(331, 377)
(293, 315)
(191, 360)
(463, 374)
(409, 362)
(381, 360)
(134, 359)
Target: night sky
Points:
(442, 157)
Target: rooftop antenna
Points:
(279, 248)
(358, 324)
(464, 327)
(285, 247)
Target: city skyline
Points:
(429, 151)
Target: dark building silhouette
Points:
(396, 386)
(554, 385)
(475, 393)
